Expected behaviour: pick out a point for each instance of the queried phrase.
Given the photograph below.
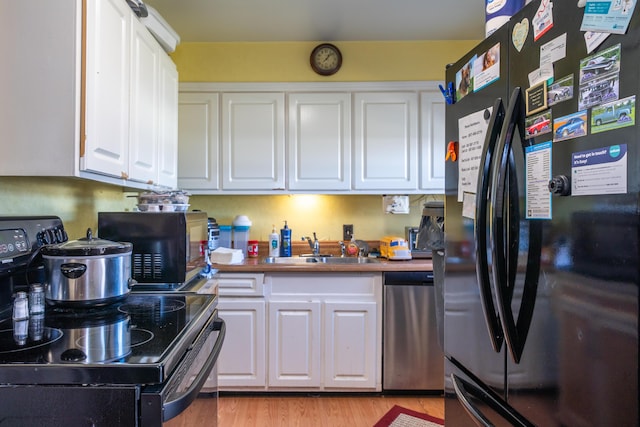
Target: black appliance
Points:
(168, 247)
(137, 362)
(542, 225)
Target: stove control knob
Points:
(560, 185)
(47, 237)
(61, 236)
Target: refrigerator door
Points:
(472, 333)
(564, 288)
(561, 368)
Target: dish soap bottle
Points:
(285, 241)
(274, 243)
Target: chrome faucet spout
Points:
(314, 244)
(342, 248)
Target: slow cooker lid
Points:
(87, 246)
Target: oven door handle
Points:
(173, 408)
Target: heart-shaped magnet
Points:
(520, 32)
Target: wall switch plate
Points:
(347, 232)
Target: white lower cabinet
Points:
(294, 344)
(242, 364)
(349, 338)
(325, 331)
(301, 331)
(242, 359)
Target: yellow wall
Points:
(324, 214)
(289, 61)
(78, 201)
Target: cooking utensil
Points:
(87, 271)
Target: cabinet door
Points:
(350, 344)
(319, 141)
(106, 124)
(294, 344)
(253, 141)
(198, 141)
(144, 93)
(242, 360)
(168, 126)
(386, 141)
(432, 141)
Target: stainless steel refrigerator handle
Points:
(504, 185)
(482, 200)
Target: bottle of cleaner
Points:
(285, 241)
(274, 243)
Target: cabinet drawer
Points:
(241, 284)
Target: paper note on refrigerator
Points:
(471, 133)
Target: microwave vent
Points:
(147, 267)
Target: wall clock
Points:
(326, 59)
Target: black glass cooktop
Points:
(138, 340)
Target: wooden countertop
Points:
(257, 265)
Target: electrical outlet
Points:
(347, 232)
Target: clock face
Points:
(326, 59)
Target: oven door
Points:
(164, 402)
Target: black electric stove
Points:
(149, 354)
(137, 341)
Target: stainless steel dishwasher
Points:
(412, 358)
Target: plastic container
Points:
(274, 243)
(252, 248)
(214, 234)
(241, 238)
(224, 240)
(285, 241)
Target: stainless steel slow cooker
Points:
(87, 271)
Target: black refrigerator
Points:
(542, 220)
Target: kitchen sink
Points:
(319, 260)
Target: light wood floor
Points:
(309, 410)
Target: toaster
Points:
(394, 248)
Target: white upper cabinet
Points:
(88, 97)
(199, 141)
(168, 126)
(319, 141)
(108, 71)
(386, 141)
(363, 138)
(432, 141)
(144, 94)
(253, 141)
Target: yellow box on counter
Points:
(394, 248)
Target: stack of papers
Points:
(227, 256)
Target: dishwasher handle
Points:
(408, 278)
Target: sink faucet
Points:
(314, 245)
(342, 248)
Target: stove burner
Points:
(140, 336)
(9, 342)
(152, 307)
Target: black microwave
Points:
(168, 247)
